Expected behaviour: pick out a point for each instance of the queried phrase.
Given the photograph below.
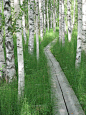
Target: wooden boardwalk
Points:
(63, 96)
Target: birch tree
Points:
(51, 14)
(23, 23)
(74, 15)
(83, 23)
(63, 25)
(79, 35)
(60, 20)
(20, 58)
(44, 16)
(69, 19)
(37, 39)
(10, 65)
(47, 16)
(41, 18)
(31, 28)
(54, 16)
(2, 59)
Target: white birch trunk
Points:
(10, 65)
(74, 15)
(63, 25)
(21, 77)
(41, 19)
(60, 20)
(23, 24)
(2, 59)
(28, 10)
(69, 20)
(84, 22)
(54, 17)
(47, 16)
(31, 28)
(12, 10)
(51, 15)
(79, 36)
(37, 39)
(44, 17)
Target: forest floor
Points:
(63, 95)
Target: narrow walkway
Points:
(64, 98)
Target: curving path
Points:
(64, 98)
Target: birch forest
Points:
(26, 28)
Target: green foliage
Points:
(66, 56)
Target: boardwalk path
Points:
(65, 100)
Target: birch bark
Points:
(69, 20)
(60, 20)
(31, 28)
(63, 25)
(37, 39)
(47, 16)
(79, 36)
(51, 15)
(2, 59)
(84, 21)
(44, 17)
(54, 17)
(21, 77)
(10, 65)
(41, 19)
(23, 24)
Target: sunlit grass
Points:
(66, 56)
(37, 96)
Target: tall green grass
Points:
(37, 96)
(66, 57)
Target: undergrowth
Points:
(37, 94)
(66, 57)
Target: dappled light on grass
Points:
(66, 57)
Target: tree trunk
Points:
(44, 17)
(54, 17)
(84, 22)
(79, 36)
(2, 59)
(10, 65)
(31, 28)
(69, 20)
(23, 24)
(21, 77)
(41, 18)
(51, 15)
(63, 25)
(60, 20)
(37, 39)
(74, 15)
(47, 16)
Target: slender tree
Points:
(51, 14)
(20, 58)
(54, 17)
(2, 59)
(44, 8)
(41, 18)
(47, 16)
(10, 65)
(74, 14)
(69, 20)
(37, 39)
(83, 22)
(79, 36)
(31, 28)
(60, 20)
(23, 23)
(63, 25)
